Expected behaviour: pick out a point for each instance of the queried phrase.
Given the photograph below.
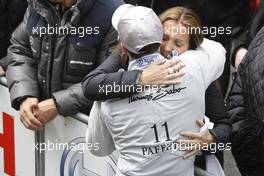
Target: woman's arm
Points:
(105, 82)
(215, 109)
(100, 83)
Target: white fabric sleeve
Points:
(213, 65)
(98, 133)
(209, 59)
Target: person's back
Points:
(145, 126)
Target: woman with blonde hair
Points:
(180, 21)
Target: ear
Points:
(124, 50)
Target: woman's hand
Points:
(197, 140)
(162, 72)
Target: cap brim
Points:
(120, 11)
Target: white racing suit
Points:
(144, 127)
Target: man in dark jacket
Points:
(10, 17)
(246, 109)
(56, 45)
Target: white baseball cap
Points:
(137, 27)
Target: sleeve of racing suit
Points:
(213, 65)
(98, 133)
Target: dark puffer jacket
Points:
(244, 40)
(54, 65)
(246, 108)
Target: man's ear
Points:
(124, 50)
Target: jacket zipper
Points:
(52, 50)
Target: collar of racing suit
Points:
(143, 62)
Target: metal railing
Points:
(40, 137)
(79, 116)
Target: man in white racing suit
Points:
(144, 128)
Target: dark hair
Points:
(148, 49)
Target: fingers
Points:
(175, 69)
(34, 108)
(31, 125)
(160, 61)
(178, 67)
(28, 124)
(174, 76)
(192, 135)
(189, 145)
(191, 153)
(171, 63)
(173, 79)
(32, 119)
(200, 123)
(27, 117)
(25, 123)
(158, 73)
(170, 71)
(171, 82)
(187, 142)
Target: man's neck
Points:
(68, 3)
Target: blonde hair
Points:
(189, 19)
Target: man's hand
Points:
(46, 111)
(162, 72)
(26, 114)
(2, 72)
(197, 140)
(241, 52)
